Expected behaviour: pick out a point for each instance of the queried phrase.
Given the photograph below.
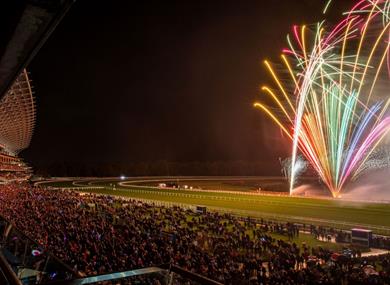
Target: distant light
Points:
(123, 177)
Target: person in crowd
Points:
(97, 234)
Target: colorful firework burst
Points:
(331, 106)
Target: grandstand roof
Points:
(17, 115)
(25, 25)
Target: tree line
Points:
(159, 168)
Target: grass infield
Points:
(342, 214)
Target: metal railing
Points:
(7, 275)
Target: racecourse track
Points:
(237, 195)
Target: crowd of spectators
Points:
(14, 171)
(12, 166)
(100, 234)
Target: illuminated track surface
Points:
(331, 212)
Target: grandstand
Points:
(17, 119)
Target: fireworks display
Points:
(333, 104)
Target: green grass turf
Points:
(239, 184)
(65, 184)
(214, 185)
(285, 208)
(311, 241)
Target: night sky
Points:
(131, 81)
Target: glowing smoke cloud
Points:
(299, 168)
(330, 108)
